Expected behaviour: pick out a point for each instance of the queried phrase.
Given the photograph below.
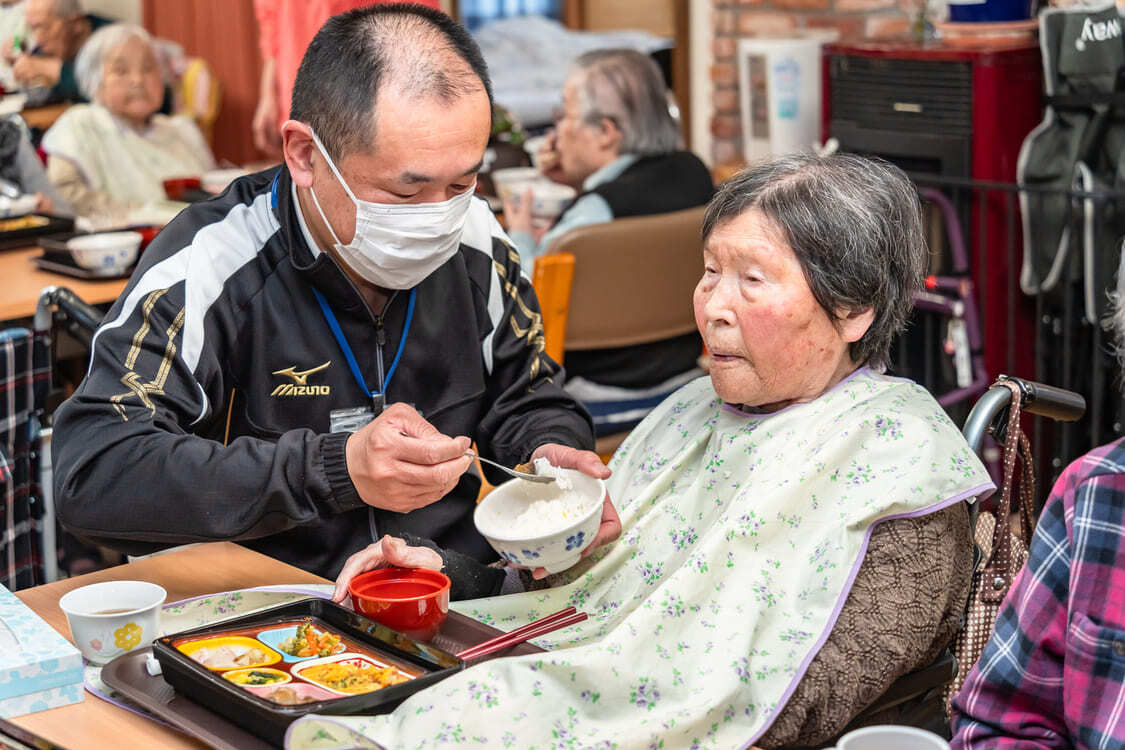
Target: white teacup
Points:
(891, 737)
(112, 618)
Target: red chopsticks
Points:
(561, 619)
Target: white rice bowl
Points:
(542, 525)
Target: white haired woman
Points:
(1053, 673)
(795, 536)
(110, 157)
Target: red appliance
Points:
(955, 113)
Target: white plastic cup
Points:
(112, 618)
(890, 737)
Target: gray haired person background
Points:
(60, 28)
(110, 158)
(615, 141)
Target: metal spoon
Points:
(518, 474)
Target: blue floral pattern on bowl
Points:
(539, 547)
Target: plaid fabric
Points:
(1053, 673)
(24, 375)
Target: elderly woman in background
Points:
(1053, 673)
(110, 157)
(795, 531)
(617, 143)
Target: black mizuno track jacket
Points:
(205, 413)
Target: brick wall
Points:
(733, 19)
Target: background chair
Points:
(199, 95)
(622, 283)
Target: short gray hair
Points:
(89, 67)
(625, 86)
(67, 8)
(855, 225)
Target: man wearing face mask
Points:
(301, 363)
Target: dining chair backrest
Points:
(632, 282)
(199, 95)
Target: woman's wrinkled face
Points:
(131, 84)
(771, 343)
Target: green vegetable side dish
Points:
(310, 642)
(261, 678)
(248, 678)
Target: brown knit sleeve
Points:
(903, 609)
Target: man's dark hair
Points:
(411, 46)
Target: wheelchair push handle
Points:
(1049, 401)
(80, 317)
(1056, 403)
(1037, 398)
(86, 316)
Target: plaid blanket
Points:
(24, 378)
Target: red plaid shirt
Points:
(1053, 673)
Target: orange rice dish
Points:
(348, 678)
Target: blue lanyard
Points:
(339, 332)
(347, 350)
(273, 189)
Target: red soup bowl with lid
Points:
(413, 601)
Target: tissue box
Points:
(39, 669)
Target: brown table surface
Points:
(21, 281)
(205, 569)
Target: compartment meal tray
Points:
(28, 236)
(224, 715)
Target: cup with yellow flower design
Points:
(113, 618)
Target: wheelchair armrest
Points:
(915, 683)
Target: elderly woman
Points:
(795, 536)
(616, 142)
(110, 157)
(1053, 673)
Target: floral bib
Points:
(742, 535)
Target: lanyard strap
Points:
(347, 350)
(273, 189)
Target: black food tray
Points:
(128, 675)
(270, 720)
(30, 235)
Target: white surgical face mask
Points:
(396, 246)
